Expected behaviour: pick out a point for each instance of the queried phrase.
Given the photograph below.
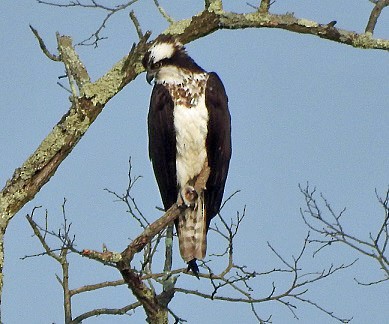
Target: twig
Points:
(97, 286)
(374, 15)
(228, 199)
(164, 14)
(94, 39)
(136, 24)
(43, 47)
(106, 311)
(332, 231)
(67, 241)
(40, 237)
(61, 258)
(371, 283)
(237, 278)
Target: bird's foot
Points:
(187, 197)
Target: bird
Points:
(189, 128)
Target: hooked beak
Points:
(150, 75)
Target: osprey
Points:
(189, 127)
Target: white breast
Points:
(191, 125)
(190, 119)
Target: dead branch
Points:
(97, 286)
(43, 47)
(95, 38)
(105, 311)
(129, 201)
(330, 230)
(136, 24)
(236, 279)
(234, 283)
(163, 12)
(299, 285)
(156, 313)
(375, 13)
(67, 240)
(61, 258)
(88, 101)
(215, 18)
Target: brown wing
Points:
(162, 144)
(218, 143)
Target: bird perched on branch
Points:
(189, 128)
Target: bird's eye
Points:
(157, 65)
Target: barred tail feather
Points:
(192, 236)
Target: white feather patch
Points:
(160, 51)
(170, 74)
(191, 126)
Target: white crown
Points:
(160, 51)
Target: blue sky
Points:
(303, 109)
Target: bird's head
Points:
(165, 58)
(161, 54)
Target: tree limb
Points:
(93, 39)
(90, 101)
(43, 47)
(375, 13)
(163, 12)
(207, 22)
(330, 230)
(105, 311)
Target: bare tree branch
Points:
(136, 24)
(96, 286)
(61, 258)
(331, 230)
(238, 279)
(66, 246)
(90, 101)
(129, 200)
(163, 12)
(298, 286)
(375, 13)
(232, 284)
(105, 311)
(43, 47)
(95, 38)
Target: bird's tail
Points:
(192, 232)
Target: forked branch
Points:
(329, 227)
